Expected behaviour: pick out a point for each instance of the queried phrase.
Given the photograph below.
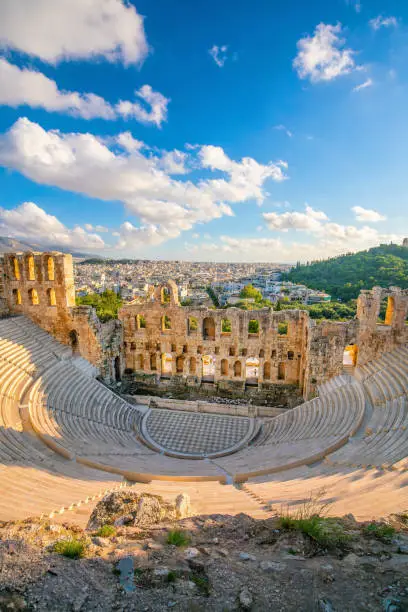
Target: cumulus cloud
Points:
(31, 222)
(73, 29)
(322, 57)
(363, 85)
(219, 54)
(367, 215)
(310, 220)
(96, 228)
(20, 86)
(383, 22)
(83, 163)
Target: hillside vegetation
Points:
(344, 276)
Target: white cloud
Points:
(383, 22)
(321, 57)
(85, 164)
(283, 128)
(356, 4)
(20, 86)
(310, 220)
(31, 222)
(219, 54)
(367, 215)
(96, 228)
(157, 113)
(364, 85)
(173, 162)
(73, 29)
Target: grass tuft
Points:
(106, 531)
(71, 548)
(176, 537)
(381, 531)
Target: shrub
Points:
(381, 531)
(106, 531)
(176, 537)
(71, 548)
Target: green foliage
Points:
(249, 292)
(192, 324)
(106, 531)
(335, 311)
(106, 304)
(253, 327)
(226, 327)
(141, 322)
(177, 537)
(213, 296)
(186, 302)
(381, 531)
(283, 328)
(166, 322)
(71, 548)
(254, 305)
(343, 277)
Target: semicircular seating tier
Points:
(65, 438)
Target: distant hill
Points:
(9, 245)
(344, 276)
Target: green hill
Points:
(344, 276)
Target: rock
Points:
(12, 601)
(154, 546)
(183, 508)
(127, 519)
(245, 599)
(403, 549)
(223, 552)
(102, 542)
(272, 566)
(246, 557)
(204, 550)
(148, 511)
(324, 605)
(191, 552)
(351, 560)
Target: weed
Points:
(381, 531)
(71, 548)
(176, 537)
(171, 576)
(106, 531)
(202, 583)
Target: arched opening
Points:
(224, 367)
(50, 268)
(117, 369)
(165, 295)
(281, 371)
(52, 299)
(226, 327)
(30, 267)
(350, 355)
(193, 365)
(261, 354)
(389, 313)
(140, 322)
(133, 346)
(291, 355)
(165, 323)
(273, 354)
(16, 268)
(252, 370)
(16, 297)
(73, 339)
(192, 325)
(267, 370)
(253, 327)
(153, 362)
(167, 365)
(232, 351)
(237, 369)
(208, 362)
(33, 297)
(180, 364)
(208, 328)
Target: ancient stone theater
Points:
(88, 407)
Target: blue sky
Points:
(230, 130)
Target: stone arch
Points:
(50, 268)
(165, 323)
(74, 339)
(30, 267)
(193, 365)
(192, 325)
(224, 367)
(180, 364)
(350, 355)
(33, 297)
(267, 370)
(208, 366)
(291, 355)
(118, 374)
(252, 369)
(15, 268)
(17, 297)
(261, 354)
(208, 328)
(167, 364)
(389, 313)
(169, 290)
(253, 327)
(140, 322)
(281, 371)
(237, 369)
(153, 362)
(51, 297)
(226, 327)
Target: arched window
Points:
(52, 300)
(33, 297)
(193, 365)
(165, 295)
(140, 322)
(153, 362)
(226, 327)
(267, 370)
(167, 364)
(291, 355)
(166, 323)
(350, 355)
(192, 325)
(252, 369)
(261, 354)
(180, 364)
(17, 297)
(224, 367)
(273, 354)
(50, 268)
(15, 268)
(253, 326)
(389, 313)
(208, 362)
(237, 369)
(232, 351)
(30, 267)
(208, 328)
(281, 371)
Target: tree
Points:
(249, 292)
(106, 304)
